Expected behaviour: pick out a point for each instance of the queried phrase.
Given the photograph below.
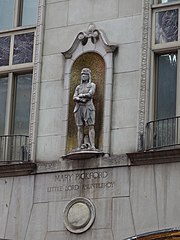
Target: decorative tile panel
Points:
(4, 50)
(167, 26)
(23, 48)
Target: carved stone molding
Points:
(17, 169)
(144, 70)
(93, 163)
(36, 78)
(93, 35)
(154, 157)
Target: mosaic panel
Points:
(167, 26)
(4, 50)
(23, 48)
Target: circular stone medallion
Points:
(79, 215)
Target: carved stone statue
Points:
(84, 111)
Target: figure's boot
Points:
(80, 136)
(92, 137)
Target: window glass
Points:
(4, 50)
(166, 86)
(6, 14)
(166, 26)
(29, 12)
(3, 95)
(23, 48)
(22, 104)
(166, 1)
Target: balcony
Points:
(163, 133)
(14, 148)
(14, 156)
(162, 143)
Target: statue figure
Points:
(84, 110)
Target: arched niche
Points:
(95, 62)
(87, 47)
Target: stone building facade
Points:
(131, 189)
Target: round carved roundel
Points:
(79, 215)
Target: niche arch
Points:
(95, 62)
(88, 45)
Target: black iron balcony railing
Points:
(163, 133)
(14, 148)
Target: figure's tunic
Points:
(84, 110)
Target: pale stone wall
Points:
(121, 22)
(128, 201)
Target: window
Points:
(15, 13)
(166, 67)
(163, 130)
(17, 33)
(166, 26)
(165, 1)
(14, 113)
(3, 97)
(21, 104)
(16, 48)
(165, 100)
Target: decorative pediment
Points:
(92, 50)
(93, 35)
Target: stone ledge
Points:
(154, 157)
(17, 169)
(93, 163)
(83, 154)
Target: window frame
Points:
(29, 167)
(169, 45)
(155, 51)
(156, 4)
(163, 48)
(12, 70)
(156, 81)
(10, 100)
(14, 67)
(17, 18)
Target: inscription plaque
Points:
(96, 183)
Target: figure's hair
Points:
(87, 71)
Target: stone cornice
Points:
(154, 157)
(17, 169)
